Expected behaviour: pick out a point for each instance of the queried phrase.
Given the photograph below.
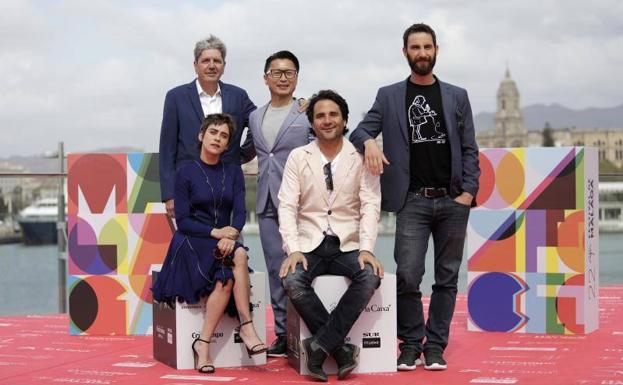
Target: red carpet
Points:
(38, 350)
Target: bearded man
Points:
(429, 167)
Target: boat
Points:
(38, 222)
(611, 206)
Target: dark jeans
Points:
(446, 220)
(331, 329)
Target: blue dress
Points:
(205, 198)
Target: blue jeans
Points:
(330, 329)
(446, 220)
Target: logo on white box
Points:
(376, 308)
(371, 340)
(368, 343)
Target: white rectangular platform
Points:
(175, 329)
(374, 332)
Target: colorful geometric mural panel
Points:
(98, 182)
(144, 182)
(489, 294)
(117, 230)
(532, 242)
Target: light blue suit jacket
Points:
(294, 132)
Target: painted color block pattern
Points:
(117, 230)
(532, 242)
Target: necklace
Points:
(220, 201)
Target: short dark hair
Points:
(327, 95)
(416, 28)
(218, 119)
(282, 55)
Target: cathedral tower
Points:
(508, 117)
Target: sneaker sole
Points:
(277, 355)
(435, 367)
(405, 367)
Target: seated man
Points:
(328, 216)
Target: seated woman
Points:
(204, 258)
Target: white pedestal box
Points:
(175, 329)
(374, 332)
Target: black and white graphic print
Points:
(424, 126)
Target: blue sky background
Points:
(94, 73)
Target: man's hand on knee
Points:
(367, 257)
(290, 263)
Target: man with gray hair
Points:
(186, 106)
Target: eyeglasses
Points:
(328, 176)
(276, 74)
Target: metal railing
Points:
(61, 227)
(61, 221)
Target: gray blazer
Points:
(294, 132)
(389, 116)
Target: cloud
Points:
(94, 74)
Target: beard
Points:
(423, 67)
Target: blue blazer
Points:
(388, 116)
(294, 132)
(181, 121)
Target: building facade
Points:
(509, 129)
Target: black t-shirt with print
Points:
(430, 150)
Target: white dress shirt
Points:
(210, 104)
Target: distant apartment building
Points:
(13, 191)
(8, 184)
(19, 192)
(509, 130)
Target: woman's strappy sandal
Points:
(207, 368)
(255, 349)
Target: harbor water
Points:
(29, 276)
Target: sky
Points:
(94, 73)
